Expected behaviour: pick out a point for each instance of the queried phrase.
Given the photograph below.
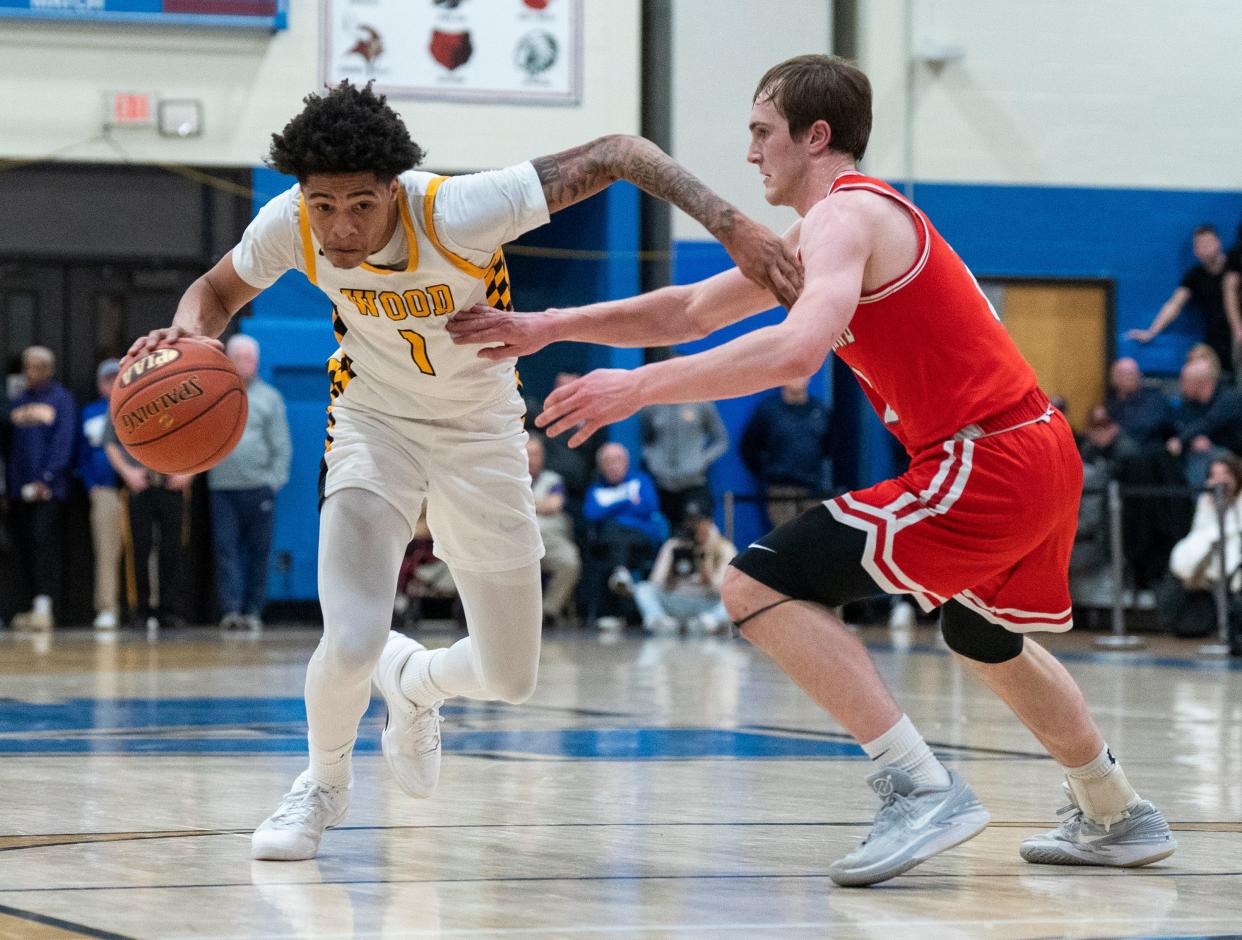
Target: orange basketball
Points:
(179, 409)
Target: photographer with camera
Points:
(684, 587)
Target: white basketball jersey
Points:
(394, 354)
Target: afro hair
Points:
(347, 130)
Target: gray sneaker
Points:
(1141, 838)
(912, 825)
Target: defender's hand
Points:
(587, 404)
(763, 256)
(519, 334)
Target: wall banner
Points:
(516, 51)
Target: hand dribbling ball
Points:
(180, 408)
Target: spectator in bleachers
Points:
(1203, 284)
(680, 443)
(1185, 601)
(1105, 445)
(683, 589)
(623, 511)
(103, 488)
(785, 445)
(1142, 412)
(1105, 440)
(155, 509)
(561, 564)
(243, 490)
(576, 465)
(44, 425)
(1208, 420)
(1205, 353)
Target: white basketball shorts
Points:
(470, 469)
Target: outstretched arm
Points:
(1168, 313)
(572, 175)
(659, 318)
(836, 243)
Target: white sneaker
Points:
(411, 739)
(663, 625)
(33, 621)
(293, 832)
(105, 620)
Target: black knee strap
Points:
(762, 610)
(967, 633)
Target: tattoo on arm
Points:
(572, 175)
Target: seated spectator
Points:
(1104, 440)
(1203, 284)
(1204, 353)
(102, 486)
(44, 425)
(683, 589)
(1142, 412)
(1185, 601)
(1104, 448)
(785, 445)
(680, 443)
(623, 512)
(243, 490)
(1208, 421)
(561, 562)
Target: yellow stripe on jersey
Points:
(308, 244)
(429, 206)
(407, 223)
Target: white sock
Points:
(42, 604)
(332, 768)
(902, 747)
(500, 658)
(1101, 789)
(416, 678)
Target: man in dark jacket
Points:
(784, 445)
(44, 422)
(1208, 420)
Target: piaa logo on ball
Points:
(149, 363)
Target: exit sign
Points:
(130, 109)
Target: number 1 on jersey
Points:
(418, 351)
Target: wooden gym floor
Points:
(652, 788)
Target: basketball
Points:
(179, 409)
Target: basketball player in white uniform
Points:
(415, 417)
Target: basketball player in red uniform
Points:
(981, 525)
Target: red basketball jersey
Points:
(928, 348)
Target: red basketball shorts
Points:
(989, 522)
